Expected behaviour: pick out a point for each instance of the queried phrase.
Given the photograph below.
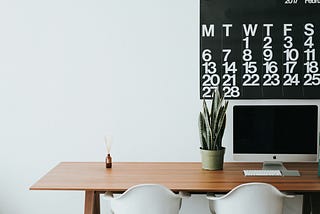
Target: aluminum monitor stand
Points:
(277, 165)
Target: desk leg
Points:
(96, 203)
(311, 203)
(92, 203)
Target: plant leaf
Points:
(205, 109)
(202, 131)
(220, 125)
(208, 132)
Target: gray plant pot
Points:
(212, 159)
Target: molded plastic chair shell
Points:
(249, 198)
(145, 198)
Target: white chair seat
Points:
(249, 198)
(145, 199)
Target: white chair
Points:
(145, 199)
(249, 198)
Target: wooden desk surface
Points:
(184, 176)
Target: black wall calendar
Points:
(260, 49)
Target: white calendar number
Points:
(290, 79)
(231, 91)
(271, 67)
(271, 79)
(309, 42)
(312, 67)
(250, 67)
(267, 55)
(289, 66)
(268, 41)
(229, 67)
(288, 42)
(226, 54)
(229, 80)
(206, 55)
(291, 54)
(247, 55)
(291, 1)
(210, 67)
(310, 54)
(311, 79)
(207, 92)
(251, 80)
(211, 80)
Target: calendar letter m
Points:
(208, 31)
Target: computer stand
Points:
(277, 165)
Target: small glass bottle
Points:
(108, 161)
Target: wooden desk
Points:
(94, 178)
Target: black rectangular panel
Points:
(260, 49)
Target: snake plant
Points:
(212, 123)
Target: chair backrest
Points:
(146, 198)
(249, 198)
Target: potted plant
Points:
(211, 127)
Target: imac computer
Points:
(275, 133)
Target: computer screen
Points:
(286, 133)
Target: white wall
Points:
(71, 71)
